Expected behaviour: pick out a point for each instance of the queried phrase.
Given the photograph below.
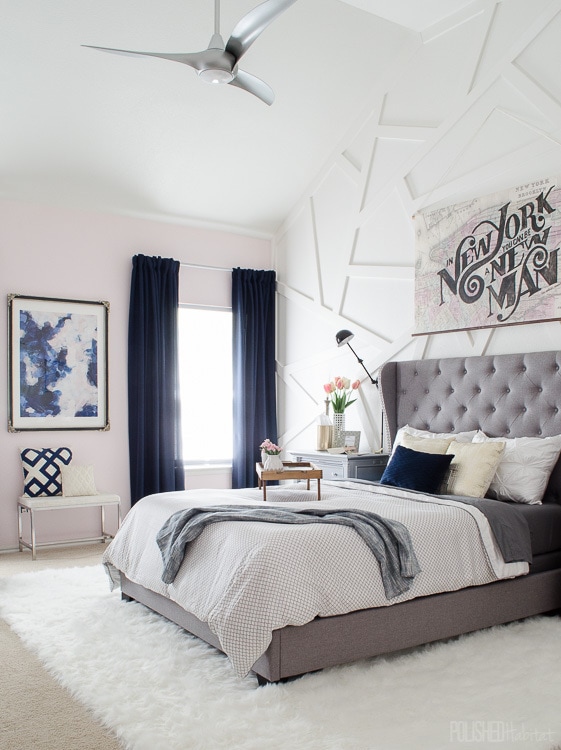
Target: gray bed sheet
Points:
(544, 522)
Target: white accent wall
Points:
(475, 109)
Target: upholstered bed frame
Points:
(509, 396)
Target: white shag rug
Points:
(158, 688)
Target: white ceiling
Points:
(145, 136)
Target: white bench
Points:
(33, 505)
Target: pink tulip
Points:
(355, 385)
(339, 383)
(328, 388)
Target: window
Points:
(205, 377)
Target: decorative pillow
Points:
(461, 437)
(78, 480)
(523, 472)
(472, 468)
(425, 445)
(416, 470)
(41, 470)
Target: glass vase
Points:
(338, 430)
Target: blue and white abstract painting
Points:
(58, 364)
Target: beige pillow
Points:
(77, 481)
(472, 468)
(425, 444)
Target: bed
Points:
(497, 401)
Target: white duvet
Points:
(246, 579)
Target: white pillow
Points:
(472, 468)
(462, 437)
(78, 480)
(523, 472)
(425, 445)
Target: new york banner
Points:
(490, 261)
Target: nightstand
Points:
(345, 466)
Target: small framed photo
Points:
(351, 441)
(57, 364)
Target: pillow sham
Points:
(78, 480)
(472, 468)
(424, 444)
(41, 470)
(525, 467)
(416, 470)
(462, 437)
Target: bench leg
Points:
(20, 528)
(33, 544)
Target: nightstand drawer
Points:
(368, 466)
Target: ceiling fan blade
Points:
(253, 23)
(188, 58)
(254, 86)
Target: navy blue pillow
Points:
(414, 470)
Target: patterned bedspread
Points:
(247, 579)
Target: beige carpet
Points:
(35, 711)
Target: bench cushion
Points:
(51, 503)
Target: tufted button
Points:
(507, 390)
(478, 390)
(540, 390)
(439, 408)
(451, 390)
(523, 368)
(493, 369)
(415, 373)
(557, 368)
(464, 408)
(465, 371)
(415, 408)
(427, 390)
(493, 408)
(507, 431)
(439, 372)
(539, 432)
(555, 410)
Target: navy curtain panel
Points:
(156, 463)
(255, 408)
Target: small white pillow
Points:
(462, 437)
(472, 468)
(425, 445)
(78, 480)
(525, 467)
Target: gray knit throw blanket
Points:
(389, 541)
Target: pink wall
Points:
(56, 252)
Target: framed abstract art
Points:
(57, 364)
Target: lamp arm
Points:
(374, 382)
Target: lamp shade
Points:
(343, 337)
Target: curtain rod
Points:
(204, 268)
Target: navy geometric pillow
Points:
(41, 470)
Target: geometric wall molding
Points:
(475, 109)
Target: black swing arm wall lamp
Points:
(343, 337)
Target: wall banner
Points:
(490, 261)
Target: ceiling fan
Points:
(219, 62)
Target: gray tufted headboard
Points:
(505, 395)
